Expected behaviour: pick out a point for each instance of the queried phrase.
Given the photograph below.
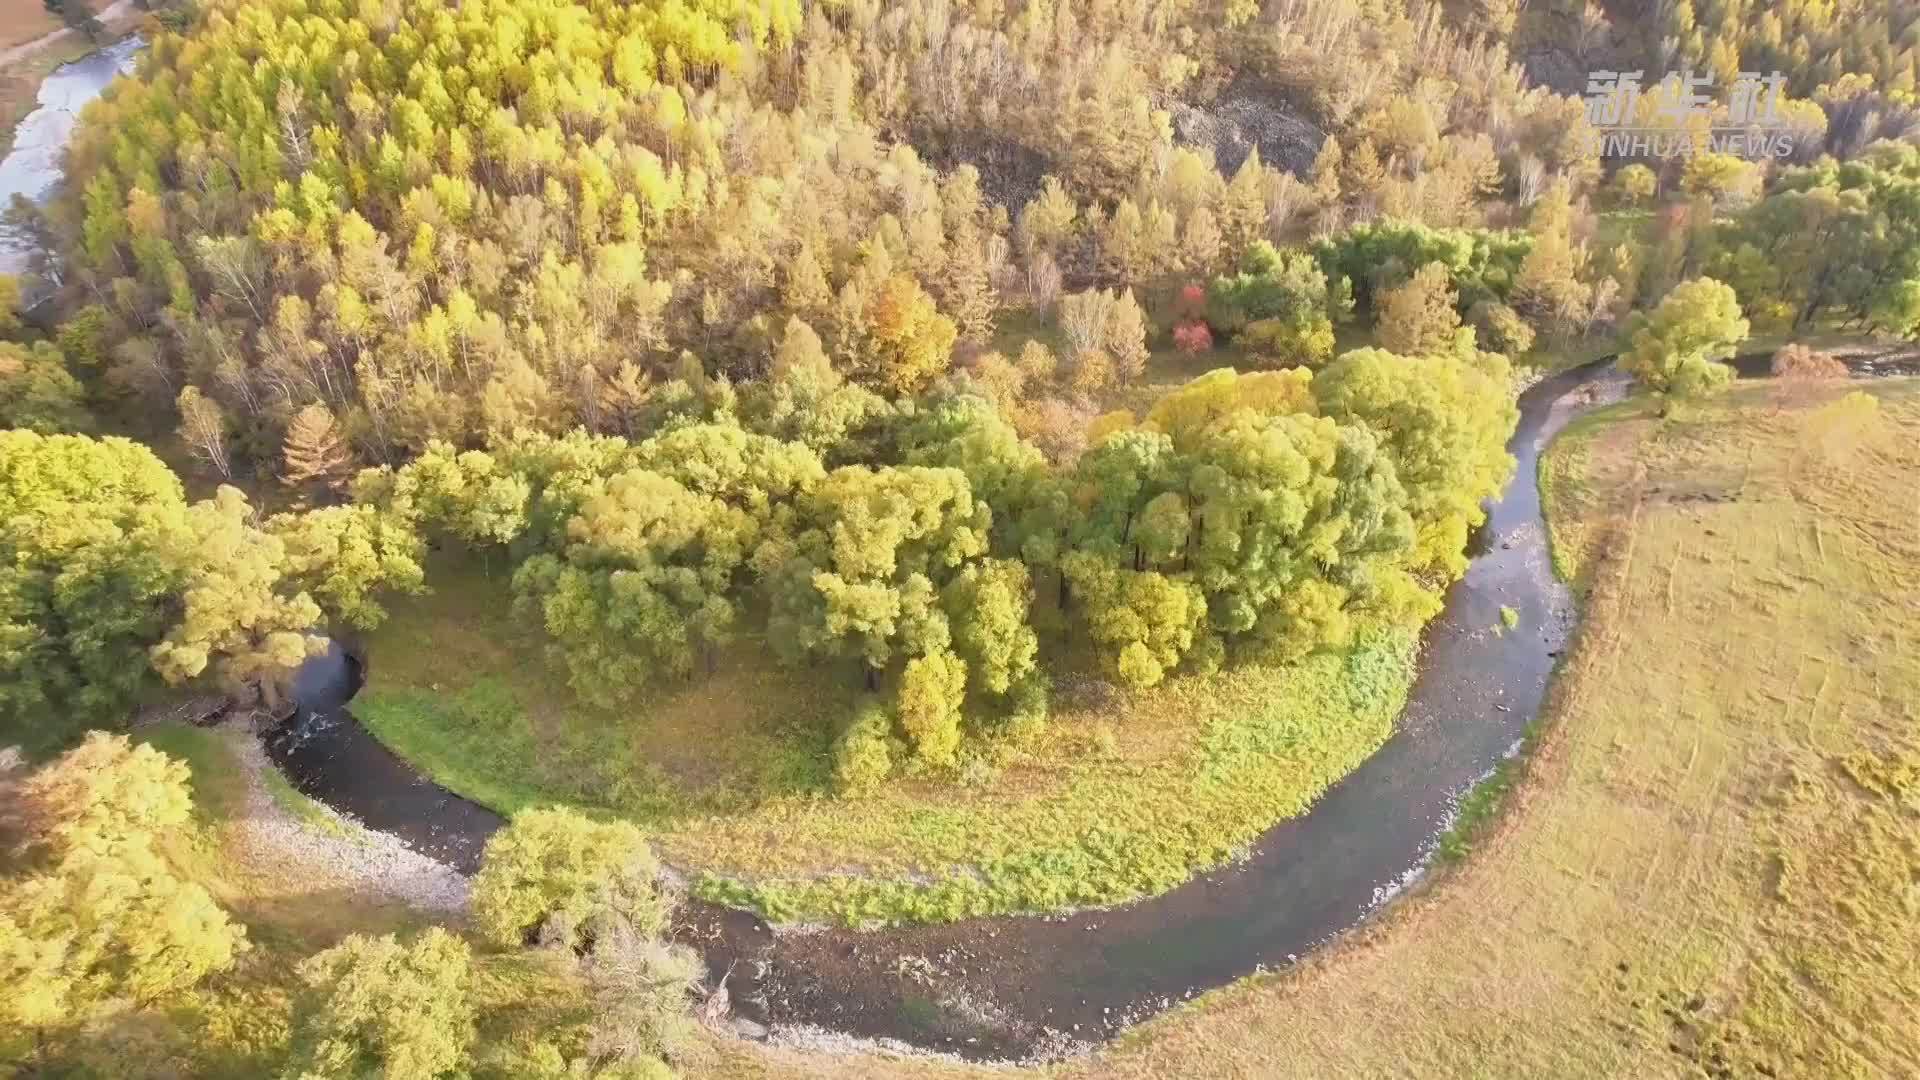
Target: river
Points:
(33, 168)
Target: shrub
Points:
(1802, 362)
(559, 872)
(1192, 338)
(1798, 370)
(862, 760)
(1501, 328)
(1284, 343)
(377, 1008)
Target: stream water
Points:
(33, 168)
(1022, 986)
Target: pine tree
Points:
(315, 454)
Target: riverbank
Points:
(24, 66)
(1123, 795)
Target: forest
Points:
(959, 349)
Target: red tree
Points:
(1192, 338)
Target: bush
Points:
(1282, 343)
(376, 1008)
(558, 872)
(1802, 362)
(862, 760)
(1192, 338)
(1798, 371)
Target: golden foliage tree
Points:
(909, 343)
(316, 456)
(102, 921)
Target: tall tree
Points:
(316, 457)
(1443, 422)
(89, 530)
(1418, 318)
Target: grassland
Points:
(1707, 866)
(1123, 795)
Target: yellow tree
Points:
(103, 921)
(909, 343)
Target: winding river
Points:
(1021, 986)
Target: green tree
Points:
(875, 546)
(1145, 623)
(1188, 412)
(374, 1007)
(1443, 422)
(1285, 294)
(567, 879)
(342, 556)
(238, 615)
(88, 533)
(1297, 521)
(1382, 254)
(862, 756)
(987, 604)
(1010, 475)
(645, 587)
(803, 399)
(1676, 349)
(38, 393)
(467, 494)
(932, 690)
(1832, 241)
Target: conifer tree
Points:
(316, 456)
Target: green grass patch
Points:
(1124, 795)
(219, 789)
(1478, 807)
